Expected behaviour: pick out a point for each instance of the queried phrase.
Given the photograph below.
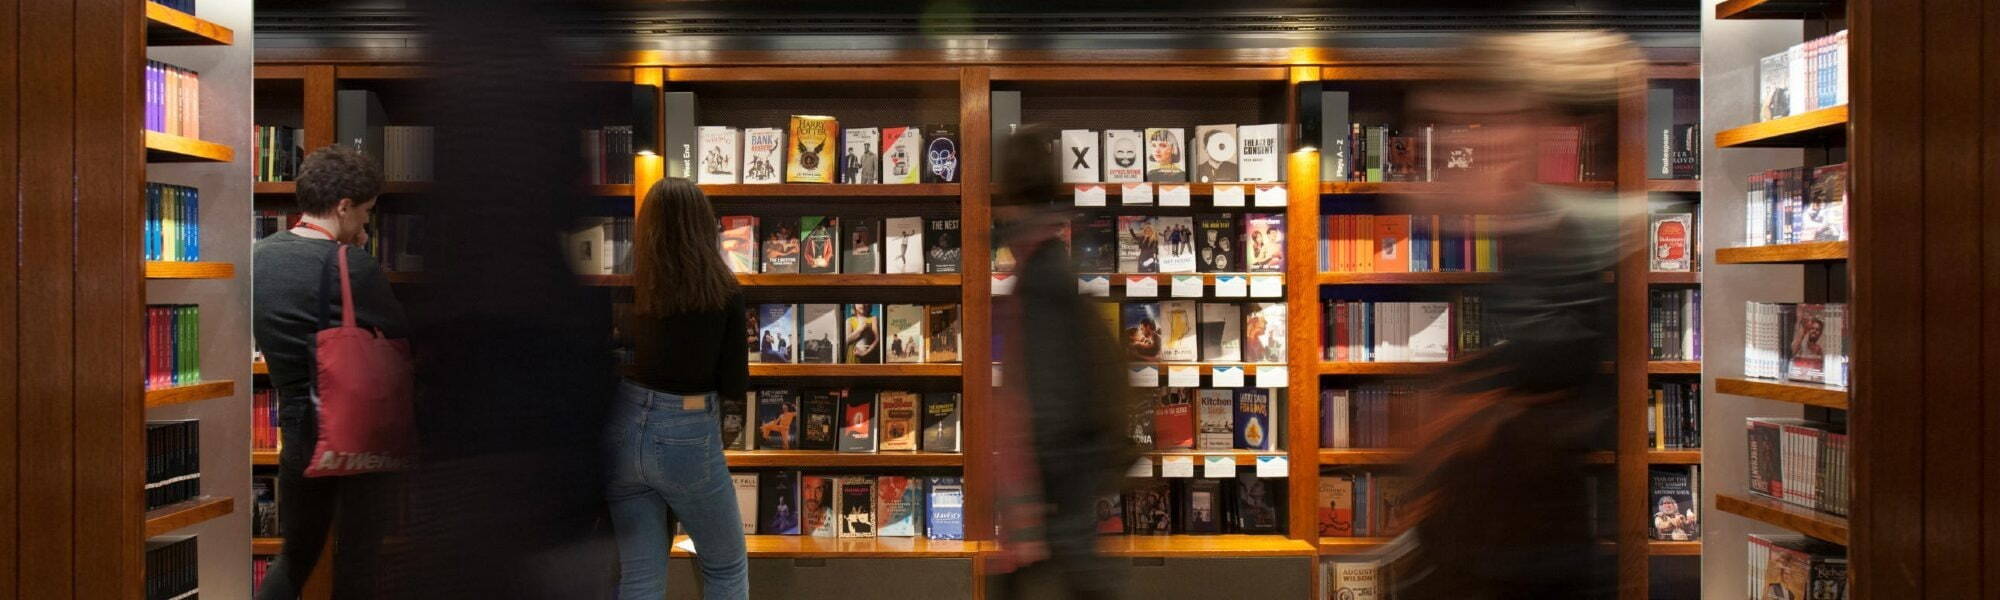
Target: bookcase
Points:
(1083, 92)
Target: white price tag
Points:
(1177, 466)
(1226, 377)
(1090, 194)
(1270, 194)
(1183, 376)
(1228, 195)
(1142, 468)
(1218, 467)
(1274, 466)
(1003, 284)
(1274, 376)
(1187, 286)
(1143, 375)
(1267, 286)
(1136, 194)
(1141, 286)
(1232, 286)
(1176, 194)
(1094, 285)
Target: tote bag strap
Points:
(338, 259)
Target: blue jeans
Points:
(666, 466)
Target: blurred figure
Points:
(1060, 411)
(1502, 507)
(663, 439)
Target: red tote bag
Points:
(363, 392)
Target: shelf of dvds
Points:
(1832, 528)
(159, 269)
(167, 148)
(1813, 128)
(1777, 9)
(194, 392)
(169, 27)
(828, 458)
(181, 515)
(1806, 252)
(854, 370)
(1809, 394)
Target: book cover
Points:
(264, 506)
(1201, 506)
(1079, 156)
(863, 334)
(1166, 161)
(941, 422)
(1259, 504)
(1138, 244)
(1110, 514)
(1429, 331)
(941, 245)
(680, 135)
(1215, 153)
(861, 162)
(1393, 495)
(777, 420)
(1356, 580)
(1221, 332)
(1123, 151)
(1094, 243)
(1252, 420)
(816, 502)
(1672, 242)
(1149, 508)
(819, 336)
(1262, 152)
(1825, 216)
(777, 503)
(1774, 93)
(1336, 505)
(857, 507)
(746, 500)
(818, 410)
(1139, 323)
(901, 149)
(1214, 419)
(720, 153)
(1675, 516)
(861, 246)
(819, 240)
(1218, 247)
(1177, 244)
(899, 421)
(1808, 353)
(857, 423)
(763, 155)
(940, 154)
(1178, 324)
(739, 243)
(1264, 332)
(944, 330)
(1173, 420)
(735, 420)
(945, 512)
(753, 332)
(906, 333)
(897, 500)
(905, 243)
(1786, 572)
(1145, 402)
(1392, 243)
(780, 245)
(777, 329)
(809, 158)
(1264, 243)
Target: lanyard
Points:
(314, 227)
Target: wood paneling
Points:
(805, 546)
(1388, 56)
(174, 517)
(1337, 546)
(1673, 278)
(787, 74)
(975, 93)
(194, 392)
(1428, 187)
(1661, 548)
(318, 96)
(1799, 393)
(263, 457)
(353, 72)
(163, 148)
(1821, 525)
(1782, 253)
(156, 269)
(1634, 568)
(1673, 367)
(1683, 186)
(1136, 73)
(1810, 128)
(11, 388)
(1302, 322)
(266, 546)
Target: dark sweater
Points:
(694, 352)
(286, 273)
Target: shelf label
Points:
(1218, 467)
(1141, 286)
(1274, 466)
(1136, 194)
(1187, 286)
(1143, 376)
(1232, 286)
(1274, 376)
(1267, 286)
(1177, 466)
(1003, 284)
(1228, 195)
(1271, 194)
(1090, 194)
(1142, 468)
(1176, 194)
(1183, 376)
(1094, 285)
(1226, 377)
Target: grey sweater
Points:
(286, 272)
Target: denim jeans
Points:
(666, 466)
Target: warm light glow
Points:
(647, 153)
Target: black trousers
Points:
(358, 509)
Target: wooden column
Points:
(317, 101)
(975, 226)
(1302, 322)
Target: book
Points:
(1336, 505)
(1166, 162)
(1252, 420)
(861, 245)
(777, 420)
(1262, 152)
(1429, 332)
(763, 155)
(264, 506)
(944, 332)
(1177, 244)
(1215, 424)
(1139, 323)
(1215, 156)
(1173, 420)
(857, 507)
(905, 244)
(777, 327)
(1110, 514)
(941, 422)
(809, 158)
(588, 254)
(1355, 580)
(1824, 217)
(861, 162)
(897, 501)
(1145, 403)
(1671, 235)
(941, 245)
(1259, 504)
(1123, 160)
(780, 245)
(944, 516)
(745, 485)
(1095, 244)
(905, 330)
(941, 155)
(1004, 116)
(358, 122)
(1264, 243)
(857, 423)
(863, 334)
(735, 418)
(1201, 506)
(1675, 512)
(819, 238)
(1335, 151)
(1221, 332)
(1149, 508)
(739, 243)
(819, 334)
(902, 149)
(1264, 332)
(816, 499)
(1079, 156)
(753, 332)
(1218, 245)
(721, 152)
(1178, 327)
(1392, 243)
(899, 421)
(778, 502)
(1138, 244)
(818, 410)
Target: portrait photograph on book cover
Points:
(1141, 330)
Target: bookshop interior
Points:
(1268, 299)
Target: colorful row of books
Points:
(850, 506)
(173, 345)
(1382, 153)
(1675, 491)
(842, 420)
(280, 151)
(1789, 565)
(1801, 462)
(607, 155)
(173, 100)
(1364, 504)
(1370, 331)
(397, 242)
(173, 462)
(1220, 243)
(817, 244)
(1796, 342)
(1673, 416)
(173, 567)
(1803, 204)
(1408, 244)
(1190, 331)
(407, 152)
(601, 246)
(173, 222)
(264, 521)
(259, 567)
(1673, 324)
(854, 333)
(264, 419)
(1216, 154)
(1383, 415)
(861, 155)
(1205, 419)
(1195, 506)
(1808, 76)
(1675, 242)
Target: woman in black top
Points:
(663, 439)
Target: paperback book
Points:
(899, 421)
(720, 154)
(1221, 332)
(905, 244)
(820, 238)
(941, 155)
(1261, 151)
(898, 499)
(1173, 420)
(1123, 151)
(1166, 160)
(1218, 247)
(817, 411)
(1177, 244)
(1178, 324)
(777, 503)
(1252, 420)
(857, 423)
(901, 149)
(780, 245)
(1214, 419)
(820, 338)
(1094, 243)
(1140, 324)
(941, 422)
(942, 245)
(739, 243)
(763, 155)
(816, 499)
(777, 326)
(777, 420)
(1079, 156)
(1264, 243)
(863, 334)
(942, 343)
(1138, 244)
(1215, 153)
(906, 333)
(810, 158)
(945, 516)
(1264, 332)
(857, 507)
(861, 163)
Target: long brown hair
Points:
(679, 266)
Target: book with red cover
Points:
(1392, 243)
(1173, 420)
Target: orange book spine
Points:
(1392, 244)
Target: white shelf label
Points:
(1232, 286)
(1090, 194)
(1142, 468)
(1003, 283)
(1176, 466)
(1136, 194)
(1228, 195)
(1226, 377)
(1267, 286)
(1187, 286)
(1143, 376)
(1274, 376)
(1271, 194)
(1218, 467)
(1183, 376)
(1176, 194)
(1094, 285)
(1141, 286)
(1274, 466)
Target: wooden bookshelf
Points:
(1363, 456)
(1804, 520)
(1435, 187)
(263, 457)
(164, 148)
(824, 458)
(194, 392)
(1243, 458)
(805, 546)
(1235, 545)
(169, 27)
(1806, 252)
(1422, 278)
(1381, 368)
(159, 269)
(1673, 367)
(274, 188)
(258, 367)
(848, 280)
(1344, 546)
(1674, 186)
(610, 190)
(1673, 457)
(1777, 9)
(1673, 278)
(1809, 394)
(266, 546)
(1666, 548)
(180, 515)
(1811, 128)
(846, 370)
(941, 191)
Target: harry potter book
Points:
(1264, 332)
(763, 155)
(1166, 158)
(777, 420)
(905, 245)
(778, 503)
(1221, 332)
(1215, 153)
(857, 507)
(1094, 243)
(820, 238)
(777, 331)
(941, 245)
(819, 335)
(1264, 243)
(902, 154)
(1253, 420)
(862, 331)
(940, 154)
(1201, 506)
(720, 154)
(905, 331)
(860, 161)
(1173, 420)
(1139, 326)
(857, 423)
(818, 410)
(1124, 156)
(1138, 244)
(897, 500)
(1214, 419)
(1262, 153)
(780, 245)
(810, 157)
(816, 500)
(1079, 156)
(942, 323)
(941, 422)
(899, 421)
(1218, 244)
(739, 243)
(1178, 327)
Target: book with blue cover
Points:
(946, 510)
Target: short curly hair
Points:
(336, 172)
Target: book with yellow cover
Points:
(810, 158)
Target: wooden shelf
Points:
(196, 392)
(1673, 278)
(623, 190)
(1673, 367)
(158, 269)
(848, 280)
(1227, 545)
(831, 190)
(805, 546)
(1665, 548)
(266, 546)
(1798, 393)
(844, 370)
(1381, 368)
(1777, 9)
(274, 188)
(258, 367)
(1804, 520)
(169, 27)
(1436, 187)
(263, 457)
(1782, 253)
(1363, 456)
(163, 148)
(1424, 278)
(1244, 458)
(1341, 546)
(823, 458)
(174, 517)
(1812, 128)
(1678, 186)
(1673, 457)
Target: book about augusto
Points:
(1264, 332)
(944, 331)
(1264, 242)
(1166, 156)
(1178, 324)
(1139, 327)
(720, 153)
(1215, 153)
(1124, 155)
(899, 421)
(897, 499)
(1177, 244)
(763, 155)
(777, 333)
(863, 334)
(905, 331)
(819, 241)
(816, 500)
(819, 337)
(739, 243)
(810, 157)
(905, 244)
(902, 154)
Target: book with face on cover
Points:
(861, 245)
(778, 503)
(780, 243)
(1138, 244)
(1261, 152)
(1215, 153)
(904, 251)
(819, 334)
(1177, 244)
(1218, 244)
(862, 340)
(1221, 332)
(1264, 243)
(860, 162)
(1111, 514)
(1166, 156)
(816, 500)
(902, 154)
(1124, 155)
(739, 243)
(763, 155)
(942, 325)
(905, 331)
(1139, 330)
(1179, 331)
(818, 410)
(810, 157)
(820, 245)
(777, 333)
(897, 501)
(720, 153)
(1149, 508)
(1079, 156)
(899, 420)
(857, 422)
(1264, 332)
